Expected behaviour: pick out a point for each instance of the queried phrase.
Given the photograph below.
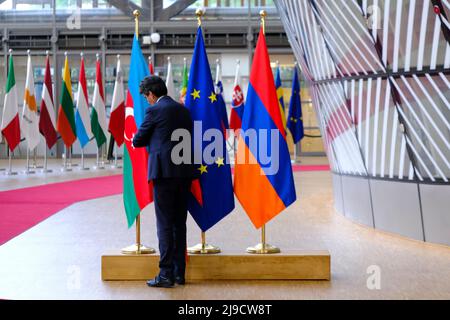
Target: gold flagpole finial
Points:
(136, 14)
(199, 13)
(263, 15)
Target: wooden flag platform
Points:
(287, 265)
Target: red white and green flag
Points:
(10, 126)
(98, 114)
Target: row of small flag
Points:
(86, 124)
(71, 122)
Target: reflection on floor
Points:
(60, 257)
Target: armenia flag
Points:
(137, 191)
(215, 172)
(264, 189)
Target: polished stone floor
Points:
(60, 257)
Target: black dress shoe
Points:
(180, 280)
(160, 282)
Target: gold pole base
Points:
(206, 249)
(258, 249)
(133, 249)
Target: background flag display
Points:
(10, 121)
(82, 122)
(279, 88)
(117, 118)
(237, 102)
(66, 117)
(219, 92)
(184, 83)
(262, 191)
(215, 178)
(295, 118)
(137, 192)
(169, 80)
(47, 121)
(30, 121)
(150, 66)
(98, 114)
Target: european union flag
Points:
(215, 173)
(295, 118)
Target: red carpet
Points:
(22, 209)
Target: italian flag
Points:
(10, 121)
(117, 118)
(98, 114)
(137, 191)
(66, 114)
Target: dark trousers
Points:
(170, 196)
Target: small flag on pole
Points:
(150, 66)
(169, 80)
(82, 121)
(295, 118)
(98, 114)
(30, 121)
(221, 102)
(66, 116)
(117, 118)
(47, 121)
(237, 102)
(184, 83)
(280, 95)
(10, 121)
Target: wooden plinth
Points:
(288, 265)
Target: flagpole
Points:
(45, 170)
(10, 172)
(35, 165)
(65, 168)
(99, 165)
(82, 160)
(203, 247)
(116, 165)
(263, 247)
(28, 171)
(138, 247)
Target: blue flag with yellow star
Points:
(211, 155)
(295, 119)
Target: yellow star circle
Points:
(220, 162)
(202, 169)
(212, 97)
(196, 94)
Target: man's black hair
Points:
(153, 84)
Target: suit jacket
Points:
(155, 133)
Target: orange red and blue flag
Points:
(262, 191)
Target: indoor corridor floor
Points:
(60, 258)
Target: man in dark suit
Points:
(171, 181)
